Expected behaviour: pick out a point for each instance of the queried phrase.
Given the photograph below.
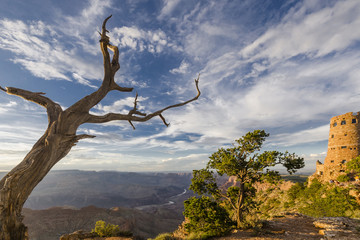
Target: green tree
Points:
(245, 162)
(206, 216)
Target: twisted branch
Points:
(131, 118)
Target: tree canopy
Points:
(247, 164)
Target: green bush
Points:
(354, 165)
(199, 235)
(295, 191)
(206, 217)
(323, 200)
(109, 230)
(343, 178)
(165, 236)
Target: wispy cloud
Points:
(291, 76)
(168, 7)
(184, 66)
(307, 30)
(303, 136)
(37, 49)
(52, 51)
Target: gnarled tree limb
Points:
(53, 109)
(116, 116)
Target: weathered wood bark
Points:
(59, 138)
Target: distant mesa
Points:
(343, 146)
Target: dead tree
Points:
(59, 137)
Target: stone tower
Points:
(343, 145)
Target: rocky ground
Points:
(289, 227)
(300, 227)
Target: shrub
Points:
(343, 178)
(165, 236)
(354, 165)
(109, 230)
(295, 191)
(206, 217)
(330, 202)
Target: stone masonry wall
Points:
(343, 145)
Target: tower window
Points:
(343, 161)
(321, 173)
(353, 120)
(342, 170)
(343, 146)
(332, 161)
(332, 136)
(343, 122)
(345, 134)
(334, 124)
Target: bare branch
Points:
(115, 65)
(108, 84)
(131, 118)
(103, 29)
(158, 113)
(30, 96)
(114, 86)
(134, 111)
(164, 121)
(132, 124)
(53, 109)
(82, 136)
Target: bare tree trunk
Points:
(59, 138)
(18, 184)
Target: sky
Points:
(284, 66)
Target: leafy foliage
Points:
(244, 162)
(206, 216)
(109, 230)
(343, 178)
(324, 200)
(165, 236)
(354, 165)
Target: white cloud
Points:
(90, 16)
(183, 68)
(262, 86)
(315, 34)
(54, 51)
(41, 54)
(83, 81)
(141, 40)
(169, 6)
(303, 136)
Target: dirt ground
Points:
(290, 227)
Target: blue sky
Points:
(283, 66)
